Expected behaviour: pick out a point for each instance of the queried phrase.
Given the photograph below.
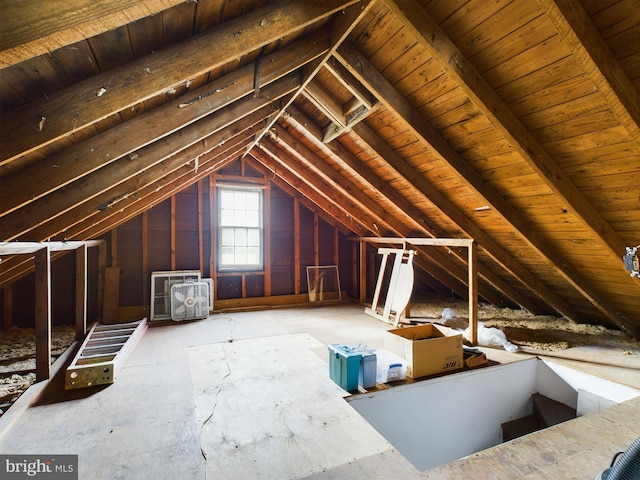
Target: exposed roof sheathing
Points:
(515, 123)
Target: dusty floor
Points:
(530, 332)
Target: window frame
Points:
(223, 267)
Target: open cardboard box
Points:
(428, 349)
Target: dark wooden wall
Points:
(179, 234)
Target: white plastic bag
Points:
(492, 337)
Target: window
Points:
(240, 239)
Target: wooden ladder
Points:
(102, 354)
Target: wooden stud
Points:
(316, 240)
(473, 292)
(145, 257)
(173, 232)
(114, 248)
(267, 240)
(81, 292)
(102, 265)
(200, 233)
(296, 245)
(213, 229)
(43, 313)
(363, 271)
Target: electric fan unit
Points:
(189, 301)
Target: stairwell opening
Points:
(436, 421)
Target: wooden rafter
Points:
(396, 103)
(297, 184)
(366, 205)
(103, 221)
(423, 224)
(339, 32)
(295, 194)
(590, 50)
(126, 139)
(96, 98)
(465, 224)
(435, 41)
(27, 31)
(56, 203)
(326, 193)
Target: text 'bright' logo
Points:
(58, 467)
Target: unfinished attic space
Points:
(319, 239)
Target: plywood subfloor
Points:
(267, 409)
(149, 424)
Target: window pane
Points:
(241, 237)
(240, 228)
(253, 256)
(240, 218)
(253, 237)
(253, 201)
(226, 217)
(253, 219)
(227, 237)
(227, 256)
(226, 199)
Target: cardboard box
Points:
(428, 349)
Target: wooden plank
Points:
(583, 38)
(29, 29)
(111, 295)
(267, 240)
(126, 139)
(169, 68)
(366, 73)
(116, 175)
(473, 292)
(43, 313)
(426, 30)
(81, 292)
(296, 245)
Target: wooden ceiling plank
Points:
(589, 48)
(435, 40)
(98, 97)
(30, 28)
(467, 225)
(81, 159)
(394, 101)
